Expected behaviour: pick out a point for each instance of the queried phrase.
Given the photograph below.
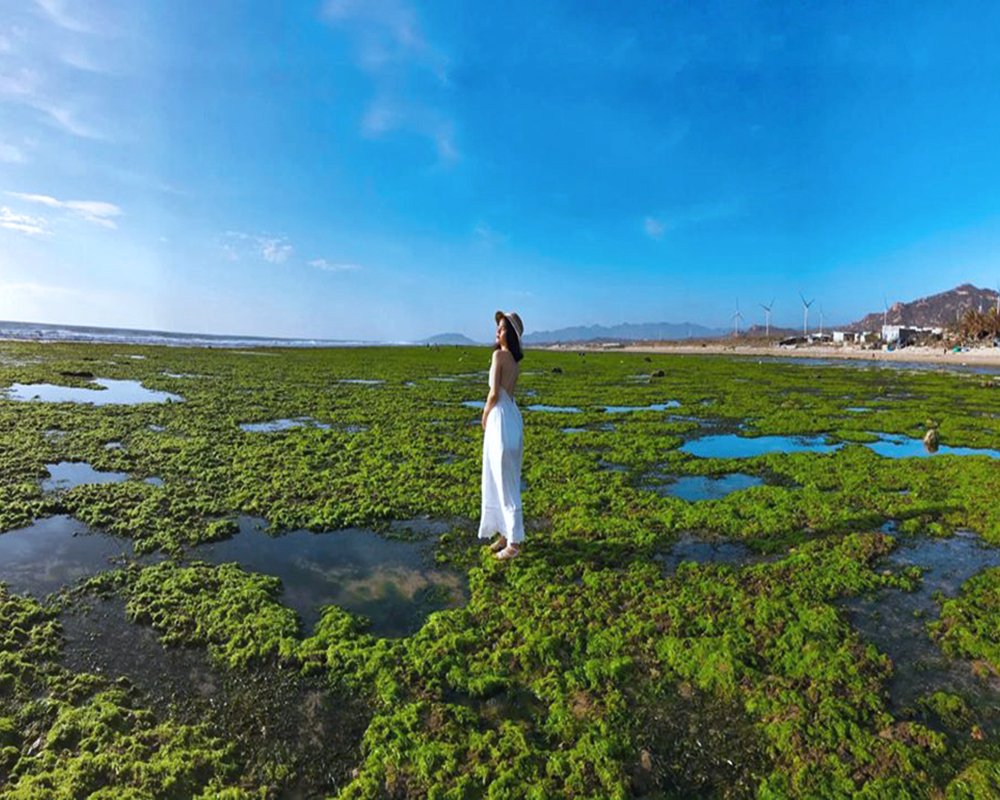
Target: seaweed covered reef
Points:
(584, 668)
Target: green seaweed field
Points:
(644, 644)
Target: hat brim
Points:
(501, 315)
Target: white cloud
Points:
(393, 51)
(93, 211)
(33, 226)
(55, 10)
(328, 266)
(486, 235)
(21, 83)
(387, 32)
(25, 86)
(32, 289)
(694, 214)
(9, 154)
(654, 228)
(275, 251)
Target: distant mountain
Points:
(646, 331)
(449, 338)
(936, 311)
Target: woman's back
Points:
(504, 372)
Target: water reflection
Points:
(694, 488)
(55, 552)
(892, 446)
(114, 392)
(276, 425)
(391, 582)
(731, 445)
(67, 474)
(654, 407)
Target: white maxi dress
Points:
(503, 449)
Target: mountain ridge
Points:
(933, 311)
(630, 331)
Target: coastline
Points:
(987, 357)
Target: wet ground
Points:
(896, 622)
(274, 717)
(712, 551)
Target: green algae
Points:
(622, 672)
(969, 626)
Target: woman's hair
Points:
(513, 340)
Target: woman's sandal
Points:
(498, 545)
(510, 551)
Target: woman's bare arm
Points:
(496, 372)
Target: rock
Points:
(557, 370)
(658, 374)
(932, 440)
(648, 360)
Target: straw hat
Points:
(514, 320)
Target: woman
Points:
(503, 443)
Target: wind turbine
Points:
(767, 317)
(737, 317)
(885, 314)
(805, 313)
(820, 320)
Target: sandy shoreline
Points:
(988, 357)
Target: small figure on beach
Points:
(503, 443)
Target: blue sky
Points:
(392, 169)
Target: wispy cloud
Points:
(33, 289)
(275, 251)
(487, 236)
(56, 11)
(9, 154)
(393, 50)
(25, 86)
(387, 32)
(330, 266)
(654, 228)
(22, 223)
(94, 211)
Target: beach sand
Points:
(986, 356)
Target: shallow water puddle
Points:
(712, 551)
(55, 552)
(276, 425)
(391, 582)
(731, 445)
(363, 381)
(892, 446)
(114, 392)
(654, 407)
(896, 621)
(707, 487)
(554, 409)
(67, 474)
